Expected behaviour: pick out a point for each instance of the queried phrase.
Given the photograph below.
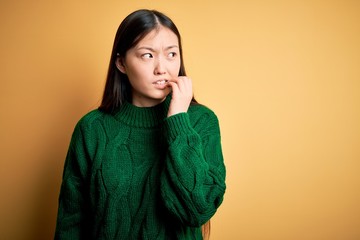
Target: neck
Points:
(144, 117)
(145, 102)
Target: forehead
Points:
(159, 36)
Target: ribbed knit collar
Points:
(143, 117)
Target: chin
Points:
(163, 94)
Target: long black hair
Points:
(132, 30)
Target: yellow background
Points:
(282, 76)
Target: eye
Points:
(172, 54)
(147, 55)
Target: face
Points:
(150, 65)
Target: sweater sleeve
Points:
(193, 179)
(71, 219)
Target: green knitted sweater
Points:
(137, 174)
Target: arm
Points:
(71, 219)
(193, 179)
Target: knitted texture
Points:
(137, 174)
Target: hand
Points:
(182, 95)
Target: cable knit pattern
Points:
(137, 174)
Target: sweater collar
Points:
(143, 117)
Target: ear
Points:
(120, 65)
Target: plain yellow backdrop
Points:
(282, 76)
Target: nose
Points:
(159, 68)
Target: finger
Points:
(174, 84)
(185, 84)
(187, 81)
(174, 87)
(182, 83)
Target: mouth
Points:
(161, 82)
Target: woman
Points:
(148, 163)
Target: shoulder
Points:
(99, 124)
(197, 111)
(95, 122)
(91, 119)
(202, 117)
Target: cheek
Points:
(175, 68)
(137, 72)
(134, 78)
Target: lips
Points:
(161, 82)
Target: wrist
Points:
(172, 113)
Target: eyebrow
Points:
(153, 50)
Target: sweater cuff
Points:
(176, 125)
